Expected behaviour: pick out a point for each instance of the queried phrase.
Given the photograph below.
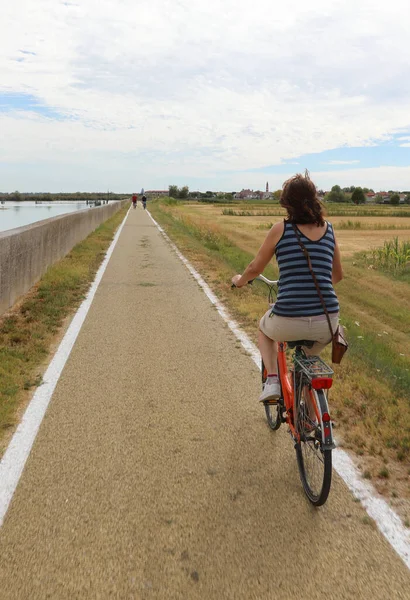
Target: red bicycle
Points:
(303, 405)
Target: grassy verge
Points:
(28, 331)
(369, 399)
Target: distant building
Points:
(246, 195)
(251, 195)
(156, 192)
(267, 193)
(385, 197)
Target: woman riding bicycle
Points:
(298, 312)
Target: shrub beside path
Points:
(154, 474)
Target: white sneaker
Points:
(271, 391)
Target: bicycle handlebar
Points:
(261, 278)
(266, 280)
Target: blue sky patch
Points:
(25, 102)
(387, 153)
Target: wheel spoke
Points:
(314, 464)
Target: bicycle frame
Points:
(288, 386)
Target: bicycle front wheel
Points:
(314, 459)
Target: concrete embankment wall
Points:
(27, 252)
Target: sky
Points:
(120, 95)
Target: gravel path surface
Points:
(154, 475)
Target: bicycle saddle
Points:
(306, 343)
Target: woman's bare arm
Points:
(264, 255)
(337, 271)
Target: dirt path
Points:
(154, 474)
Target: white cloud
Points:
(378, 178)
(196, 87)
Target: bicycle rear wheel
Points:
(272, 411)
(314, 460)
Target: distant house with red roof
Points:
(246, 195)
(157, 192)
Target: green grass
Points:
(366, 211)
(264, 226)
(230, 212)
(393, 259)
(377, 355)
(242, 213)
(27, 332)
(359, 225)
(168, 201)
(384, 473)
(350, 225)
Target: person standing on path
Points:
(298, 313)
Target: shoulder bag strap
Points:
(306, 253)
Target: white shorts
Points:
(291, 329)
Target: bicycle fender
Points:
(326, 423)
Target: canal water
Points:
(18, 214)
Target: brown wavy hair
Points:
(299, 198)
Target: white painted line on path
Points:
(14, 459)
(387, 520)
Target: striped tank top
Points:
(297, 294)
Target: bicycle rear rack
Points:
(312, 366)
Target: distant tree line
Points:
(62, 196)
(357, 195)
(176, 192)
(354, 194)
(347, 194)
(183, 193)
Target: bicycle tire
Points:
(272, 411)
(314, 461)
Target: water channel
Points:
(18, 214)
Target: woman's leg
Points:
(269, 351)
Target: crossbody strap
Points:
(309, 262)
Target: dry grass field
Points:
(370, 398)
(375, 229)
